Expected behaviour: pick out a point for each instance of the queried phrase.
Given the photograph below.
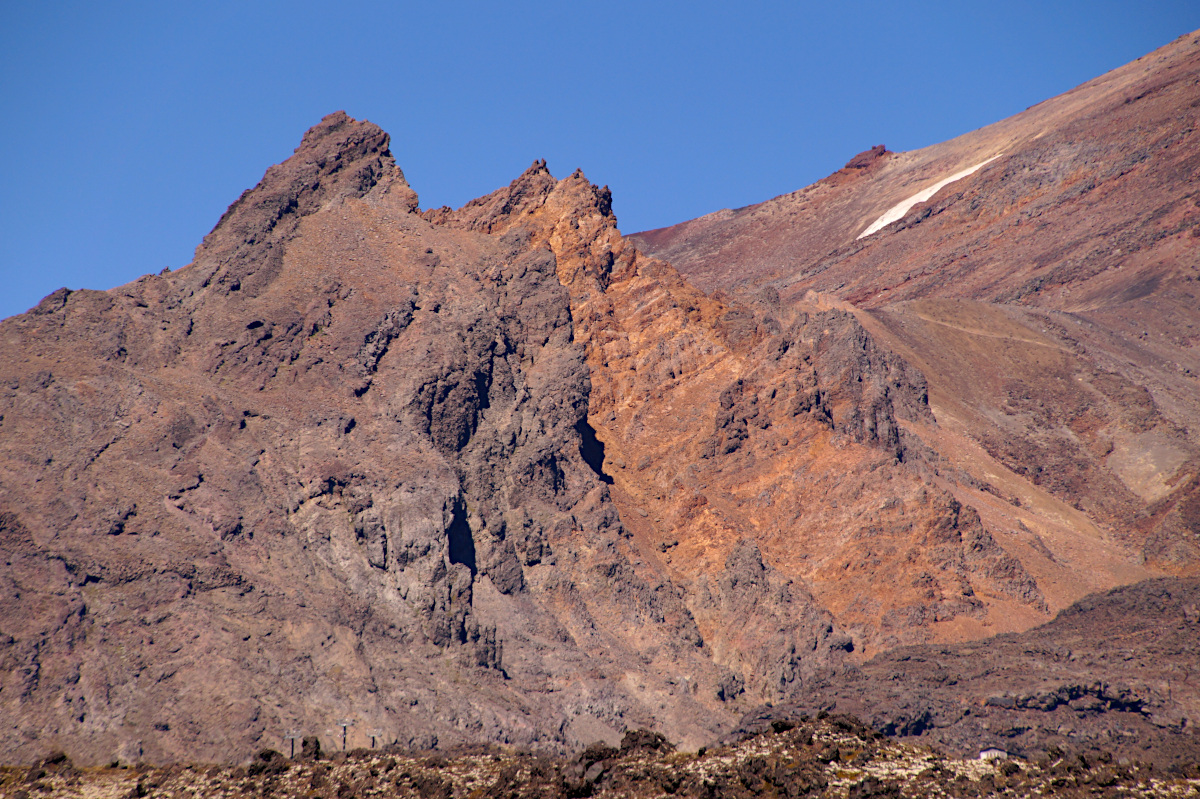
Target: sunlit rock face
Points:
(502, 474)
(333, 469)
(1048, 298)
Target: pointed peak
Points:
(536, 177)
(338, 158)
(538, 167)
(588, 194)
(532, 190)
(340, 131)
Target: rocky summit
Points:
(501, 475)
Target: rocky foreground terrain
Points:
(501, 475)
(1113, 673)
(830, 756)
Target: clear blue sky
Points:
(130, 126)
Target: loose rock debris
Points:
(834, 756)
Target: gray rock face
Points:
(795, 640)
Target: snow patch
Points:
(898, 210)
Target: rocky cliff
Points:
(496, 474)
(355, 459)
(725, 426)
(337, 468)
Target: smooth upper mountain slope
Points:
(1050, 298)
(1112, 158)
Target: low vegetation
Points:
(834, 756)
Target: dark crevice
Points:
(460, 545)
(592, 449)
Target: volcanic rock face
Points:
(1049, 299)
(335, 468)
(496, 474)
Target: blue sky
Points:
(130, 126)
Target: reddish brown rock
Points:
(1048, 299)
(334, 469)
(496, 474)
(722, 423)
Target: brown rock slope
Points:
(1113, 673)
(1050, 300)
(341, 468)
(334, 469)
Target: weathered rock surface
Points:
(722, 423)
(355, 458)
(495, 474)
(1113, 673)
(334, 469)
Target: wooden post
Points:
(344, 723)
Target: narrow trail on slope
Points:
(976, 332)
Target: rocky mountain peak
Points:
(338, 158)
(527, 201)
(338, 130)
(362, 435)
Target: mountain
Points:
(336, 468)
(1048, 295)
(501, 474)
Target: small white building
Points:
(993, 754)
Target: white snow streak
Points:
(898, 210)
